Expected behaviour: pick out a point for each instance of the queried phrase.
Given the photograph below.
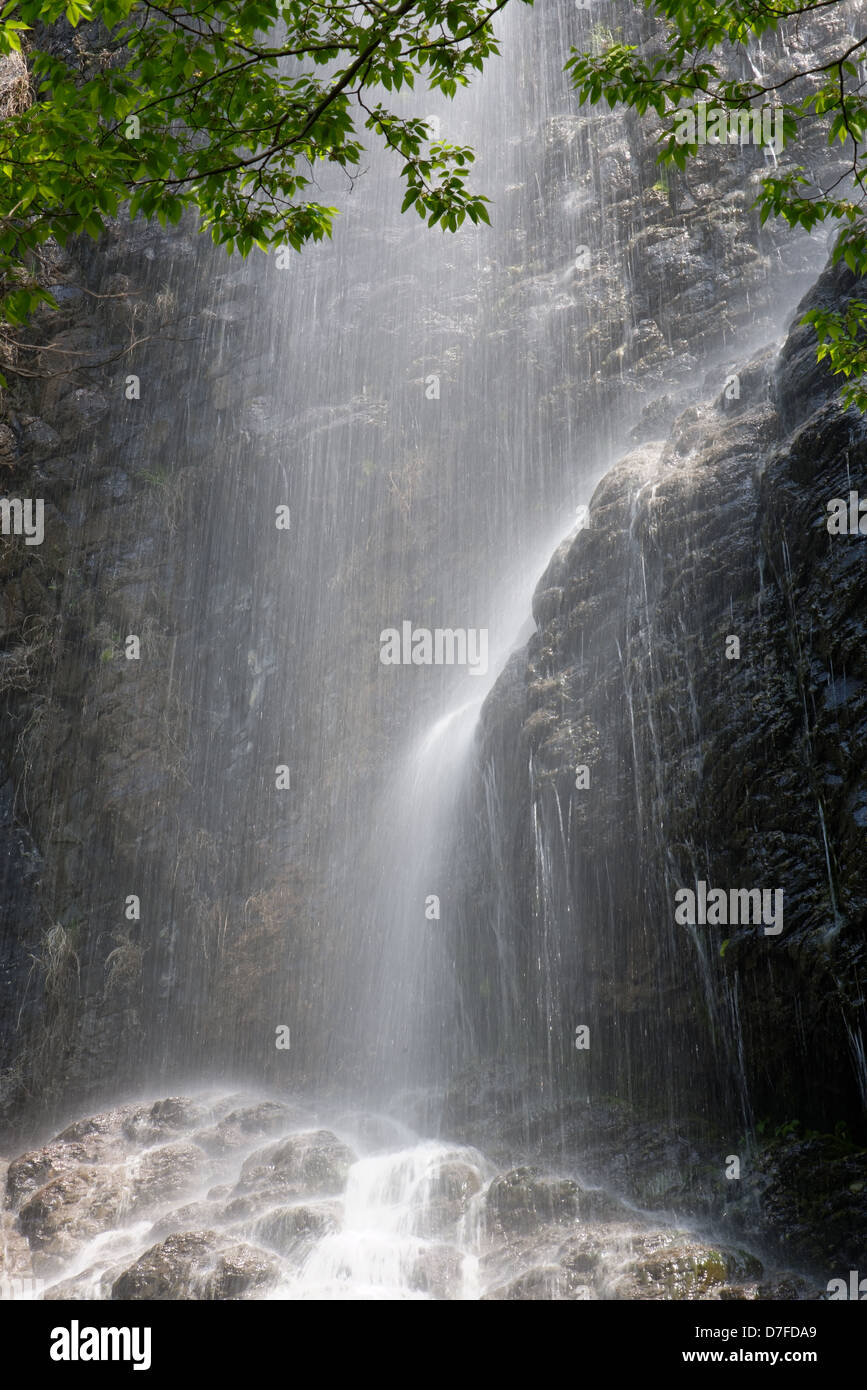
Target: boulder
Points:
(74, 1148)
(240, 1272)
(682, 1270)
(195, 1265)
(191, 1216)
(522, 1199)
(290, 1229)
(449, 1191)
(15, 1261)
(166, 1172)
(313, 1163)
(438, 1272)
(241, 1127)
(149, 1124)
(71, 1209)
(168, 1270)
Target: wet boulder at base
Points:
(313, 1163)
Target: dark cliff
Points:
(740, 771)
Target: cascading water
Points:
(414, 404)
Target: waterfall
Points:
(400, 425)
(394, 862)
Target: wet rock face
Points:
(240, 1271)
(684, 1271)
(167, 1270)
(88, 997)
(106, 1172)
(102, 1139)
(520, 1200)
(168, 1172)
(677, 274)
(192, 1266)
(162, 1121)
(70, 1210)
(735, 767)
(622, 1262)
(99, 1213)
(242, 1125)
(15, 1254)
(450, 1191)
(286, 1229)
(311, 1164)
(814, 1201)
(437, 1272)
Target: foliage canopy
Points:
(225, 106)
(230, 107)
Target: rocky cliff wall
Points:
(142, 776)
(741, 771)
